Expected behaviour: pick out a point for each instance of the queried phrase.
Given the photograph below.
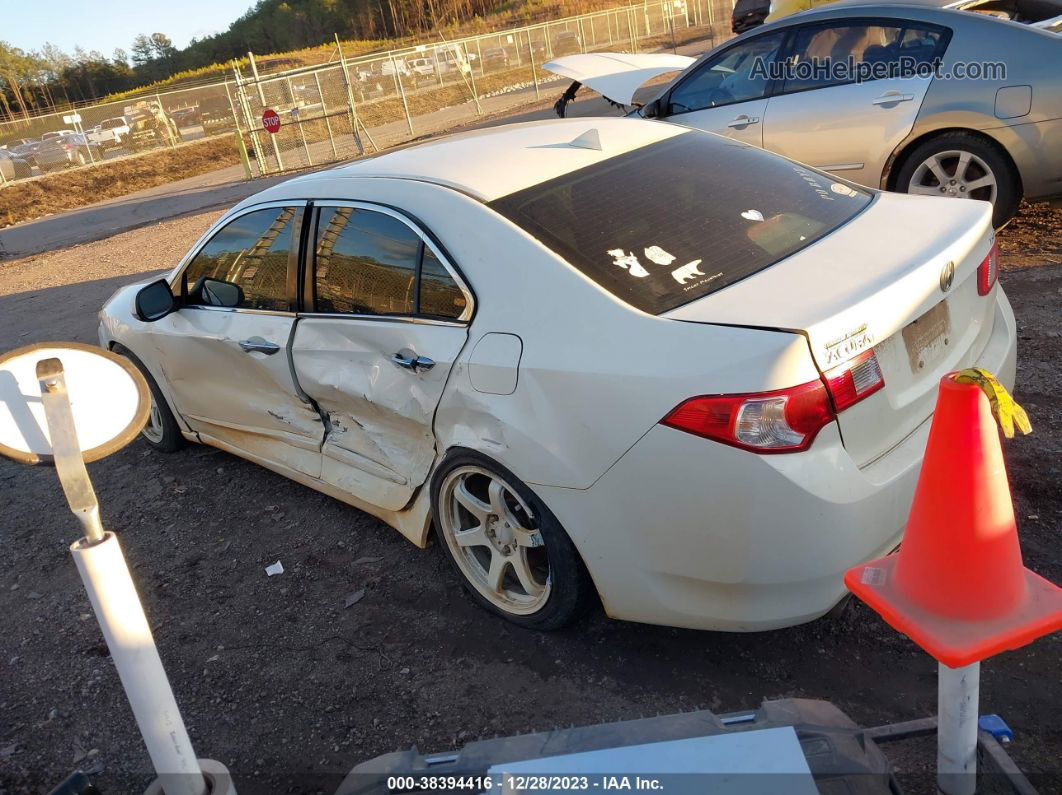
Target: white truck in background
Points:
(109, 133)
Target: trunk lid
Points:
(878, 283)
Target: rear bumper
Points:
(685, 532)
(1036, 149)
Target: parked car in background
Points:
(422, 66)
(48, 136)
(748, 14)
(27, 151)
(14, 167)
(189, 116)
(634, 405)
(109, 133)
(495, 58)
(72, 149)
(567, 41)
(1027, 11)
(994, 135)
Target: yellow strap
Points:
(1004, 409)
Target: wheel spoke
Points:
(523, 573)
(496, 573)
(473, 537)
(962, 166)
(986, 181)
(934, 165)
(473, 504)
(496, 493)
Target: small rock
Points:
(360, 561)
(8, 751)
(34, 595)
(354, 598)
(53, 713)
(404, 671)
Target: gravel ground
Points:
(289, 689)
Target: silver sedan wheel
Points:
(153, 431)
(494, 537)
(956, 174)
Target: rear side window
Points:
(251, 252)
(371, 263)
(680, 219)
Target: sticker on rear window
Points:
(659, 256)
(628, 262)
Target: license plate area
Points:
(927, 338)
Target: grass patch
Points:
(67, 190)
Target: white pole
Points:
(125, 628)
(957, 706)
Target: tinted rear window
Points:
(674, 221)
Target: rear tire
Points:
(162, 431)
(971, 167)
(513, 556)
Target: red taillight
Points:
(783, 421)
(854, 380)
(988, 271)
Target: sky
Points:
(106, 24)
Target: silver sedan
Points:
(911, 97)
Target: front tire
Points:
(513, 556)
(162, 431)
(964, 166)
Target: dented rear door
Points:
(388, 321)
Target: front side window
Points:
(245, 264)
(740, 74)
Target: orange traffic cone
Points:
(957, 586)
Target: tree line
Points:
(39, 79)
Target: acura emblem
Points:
(947, 276)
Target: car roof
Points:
(490, 163)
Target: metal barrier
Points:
(353, 106)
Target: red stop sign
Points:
(271, 120)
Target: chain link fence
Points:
(353, 106)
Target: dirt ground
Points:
(286, 686)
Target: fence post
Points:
(350, 101)
(241, 92)
(261, 98)
(630, 28)
(298, 120)
(241, 147)
(324, 112)
(534, 72)
(401, 90)
(472, 78)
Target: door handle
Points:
(743, 121)
(413, 363)
(259, 345)
(890, 98)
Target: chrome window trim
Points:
(462, 319)
(416, 319)
(239, 310)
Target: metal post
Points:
(169, 121)
(957, 705)
(241, 147)
(671, 23)
(472, 79)
(582, 33)
(534, 73)
(324, 112)
(354, 121)
(241, 93)
(630, 28)
(401, 91)
(298, 120)
(261, 98)
(232, 107)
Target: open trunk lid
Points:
(616, 75)
(879, 282)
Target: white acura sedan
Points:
(607, 357)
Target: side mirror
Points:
(216, 292)
(155, 301)
(651, 110)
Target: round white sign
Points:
(109, 399)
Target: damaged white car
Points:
(617, 359)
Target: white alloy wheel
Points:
(494, 538)
(955, 174)
(154, 429)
